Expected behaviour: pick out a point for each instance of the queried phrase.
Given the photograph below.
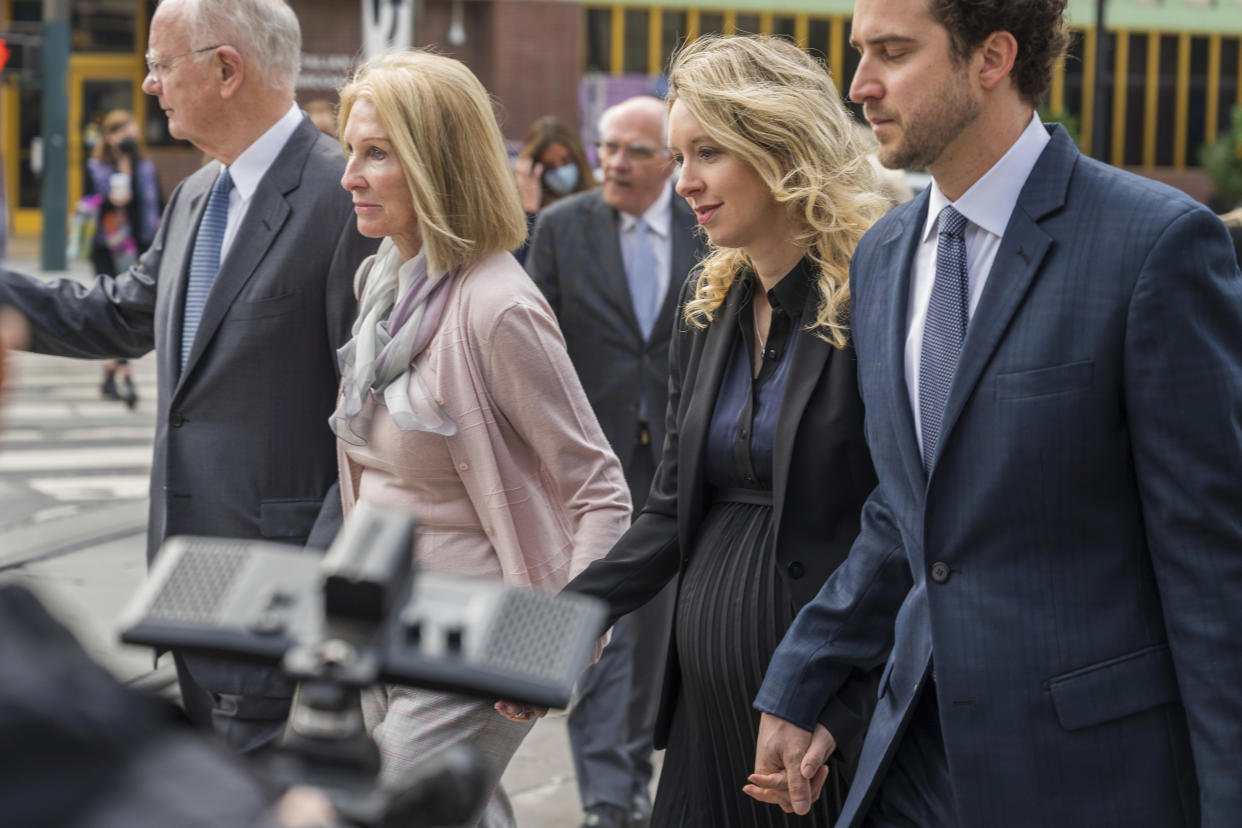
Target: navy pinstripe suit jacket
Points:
(1073, 561)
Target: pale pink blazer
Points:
(548, 491)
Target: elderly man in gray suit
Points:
(245, 294)
(611, 261)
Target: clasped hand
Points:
(790, 768)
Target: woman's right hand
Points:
(529, 173)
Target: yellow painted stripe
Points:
(1088, 89)
(616, 59)
(1212, 113)
(836, 51)
(692, 24)
(1151, 102)
(765, 23)
(1056, 99)
(1121, 63)
(655, 41)
(802, 31)
(730, 22)
(1182, 101)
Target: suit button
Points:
(176, 420)
(796, 570)
(940, 572)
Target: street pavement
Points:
(73, 503)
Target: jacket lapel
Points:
(604, 241)
(892, 273)
(810, 360)
(266, 214)
(1022, 251)
(703, 381)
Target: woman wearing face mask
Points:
(552, 164)
(129, 214)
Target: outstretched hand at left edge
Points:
(790, 768)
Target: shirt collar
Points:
(990, 201)
(248, 169)
(659, 215)
(790, 293)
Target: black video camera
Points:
(359, 615)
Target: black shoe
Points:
(108, 389)
(606, 815)
(640, 810)
(131, 395)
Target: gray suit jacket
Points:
(242, 445)
(575, 258)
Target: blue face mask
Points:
(561, 180)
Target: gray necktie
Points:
(205, 261)
(641, 273)
(947, 316)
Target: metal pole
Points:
(1099, 135)
(55, 130)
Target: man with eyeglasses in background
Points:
(611, 261)
(245, 294)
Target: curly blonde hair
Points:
(775, 107)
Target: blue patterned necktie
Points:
(205, 261)
(640, 272)
(947, 315)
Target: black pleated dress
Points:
(733, 607)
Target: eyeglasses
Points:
(158, 68)
(632, 152)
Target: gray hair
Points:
(266, 32)
(637, 102)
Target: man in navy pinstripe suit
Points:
(1049, 573)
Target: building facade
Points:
(1170, 74)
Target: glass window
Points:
(636, 39)
(598, 40)
(103, 25)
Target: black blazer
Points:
(822, 474)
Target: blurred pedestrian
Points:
(129, 215)
(244, 295)
(1050, 356)
(633, 239)
(459, 403)
(551, 165)
(765, 466)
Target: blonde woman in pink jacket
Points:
(458, 400)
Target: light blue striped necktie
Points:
(205, 261)
(947, 316)
(640, 272)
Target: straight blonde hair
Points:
(773, 106)
(443, 130)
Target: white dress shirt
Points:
(987, 206)
(248, 169)
(659, 218)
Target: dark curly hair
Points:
(1037, 25)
